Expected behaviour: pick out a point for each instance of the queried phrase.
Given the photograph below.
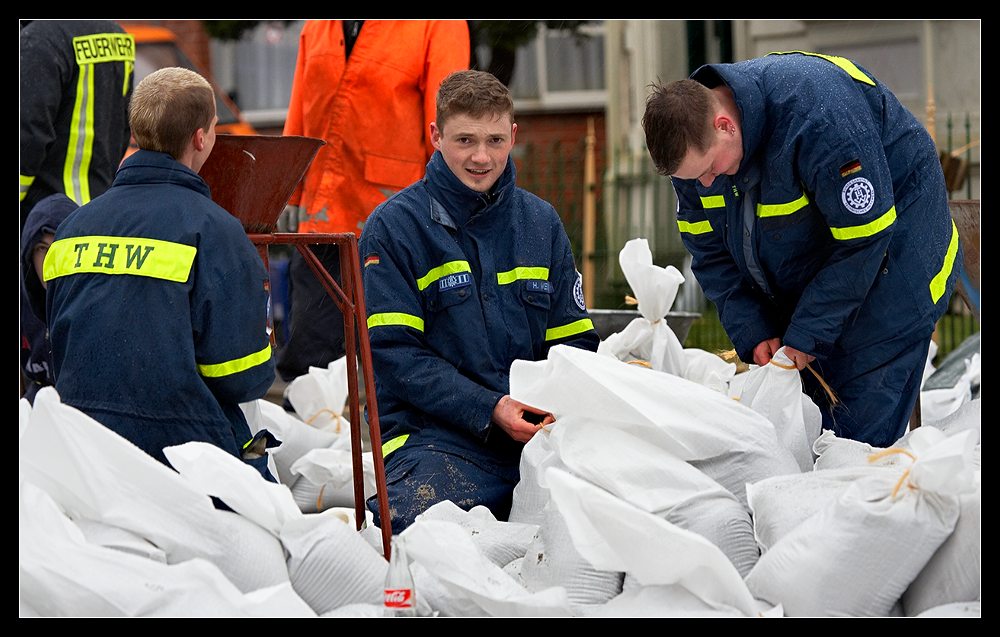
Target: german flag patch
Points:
(850, 168)
(371, 259)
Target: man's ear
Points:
(198, 139)
(513, 132)
(724, 123)
(435, 135)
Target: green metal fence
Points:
(633, 201)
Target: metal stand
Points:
(351, 302)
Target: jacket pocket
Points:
(398, 173)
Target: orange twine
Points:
(889, 452)
(336, 417)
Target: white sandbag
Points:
(648, 338)
(834, 452)
(660, 601)
(616, 536)
(857, 556)
(775, 391)
(23, 416)
(212, 471)
(326, 478)
(630, 464)
(330, 565)
(61, 574)
(781, 503)
(477, 586)
(936, 404)
(708, 369)
(113, 537)
(958, 609)
(514, 570)
(319, 396)
(968, 416)
(92, 472)
(500, 542)
(531, 494)
(552, 560)
(730, 442)
(955, 572)
(297, 438)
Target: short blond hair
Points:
(167, 107)
(472, 93)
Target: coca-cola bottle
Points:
(400, 600)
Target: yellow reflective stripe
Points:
(119, 255)
(394, 444)
(128, 73)
(846, 65)
(442, 270)
(104, 47)
(781, 209)
(26, 182)
(77, 130)
(504, 278)
(236, 365)
(395, 318)
(576, 327)
(715, 201)
(698, 227)
(940, 280)
(87, 146)
(866, 230)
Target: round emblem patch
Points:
(578, 292)
(858, 195)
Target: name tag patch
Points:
(452, 281)
(537, 285)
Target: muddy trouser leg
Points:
(877, 389)
(316, 324)
(419, 478)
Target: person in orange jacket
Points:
(366, 87)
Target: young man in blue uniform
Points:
(814, 206)
(157, 300)
(464, 273)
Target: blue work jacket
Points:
(835, 233)
(157, 308)
(458, 285)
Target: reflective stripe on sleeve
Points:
(451, 267)
(782, 209)
(576, 327)
(236, 365)
(698, 227)
(865, 230)
(392, 445)
(396, 318)
(940, 280)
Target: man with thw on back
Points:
(156, 298)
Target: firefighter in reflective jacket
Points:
(814, 206)
(76, 81)
(157, 300)
(464, 273)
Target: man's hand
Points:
(509, 415)
(801, 359)
(288, 220)
(765, 350)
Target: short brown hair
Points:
(677, 118)
(167, 107)
(473, 93)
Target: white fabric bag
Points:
(297, 439)
(708, 369)
(648, 338)
(500, 542)
(61, 574)
(630, 465)
(531, 494)
(775, 391)
(319, 396)
(857, 556)
(326, 477)
(473, 585)
(730, 442)
(616, 536)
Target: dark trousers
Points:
(316, 324)
(420, 477)
(877, 388)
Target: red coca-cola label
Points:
(398, 598)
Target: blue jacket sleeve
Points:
(404, 363)
(569, 323)
(743, 308)
(229, 318)
(852, 189)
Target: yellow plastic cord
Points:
(889, 452)
(336, 417)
